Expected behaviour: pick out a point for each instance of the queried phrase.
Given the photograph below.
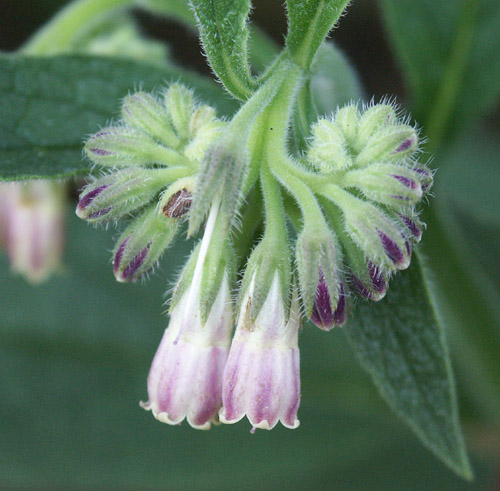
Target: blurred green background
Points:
(76, 351)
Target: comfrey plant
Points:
(339, 219)
(303, 200)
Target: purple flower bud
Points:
(185, 380)
(133, 267)
(406, 181)
(86, 199)
(378, 281)
(392, 250)
(261, 378)
(406, 144)
(340, 314)
(412, 226)
(322, 313)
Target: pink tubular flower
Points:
(33, 227)
(261, 378)
(185, 380)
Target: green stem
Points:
(275, 228)
(70, 24)
(309, 207)
(449, 89)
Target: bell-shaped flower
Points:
(261, 378)
(33, 227)
(185, 380)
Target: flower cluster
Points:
(355, 190)
(373, 184)
(152, 156)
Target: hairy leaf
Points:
(48, 106)
(402, 346)
(224, 34)
(309, 22)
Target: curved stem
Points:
(70, 24)
(309, 206)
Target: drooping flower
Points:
(261, 378)
(185, 380)
(33, 223)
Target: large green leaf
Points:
(74, 356)
(309, 22)
(449, 53)
(224, 34)
(49, 105)
(402, 346)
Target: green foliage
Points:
(449, 53)
(224, 34)
(48, 105)
(403, 348)
(309, 22)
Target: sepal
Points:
(124, 146)
(328, 148)
(145, 112)
(179, 101)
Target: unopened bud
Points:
(145, 112)
(374, 118)
(390, 184)
(347, 118)
(142, 244)
(123, 146)
(115, 195)
(179, 102)
(328, 151)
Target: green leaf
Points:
(224, 34)
(403, 348)
(449, 53)
(466, 303)
(49, 105)
(309, 22)
(334, 80)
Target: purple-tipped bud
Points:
(119, 193)
(393, 251)
(406, 181)
(261, 379)
(413, 227)
(425, 177)
(87, 198)
(142, 244)
(322, 313)
(185, 381)
(370, 283)
(406, 144)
